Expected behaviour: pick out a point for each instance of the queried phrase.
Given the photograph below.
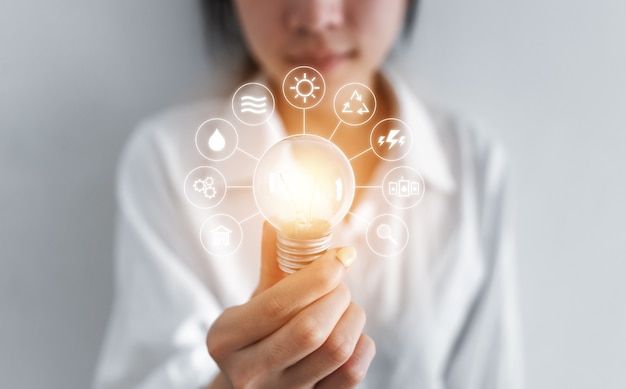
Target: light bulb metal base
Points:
(294, 254)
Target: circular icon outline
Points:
(372, 111)
(372, 222)
(269, 116)
(310, 81)
(185, 186)
(215, 217)
(234, 148)
(383, 231)
(422, 182)
(408, 132)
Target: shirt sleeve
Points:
(487, 350)
(161, 310)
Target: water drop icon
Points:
(217, 141)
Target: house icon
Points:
(220, 236)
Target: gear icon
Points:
(206, 186)
(210, 192)
(199, 185)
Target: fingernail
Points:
(346, 255)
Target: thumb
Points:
(270, 272)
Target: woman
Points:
(440, 310)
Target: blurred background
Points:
(546, 77)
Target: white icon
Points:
(220, 236)
(354, 104)
(255, 105)
(347, 108)
(383, 231)
(404, 188)
(391, 134)
(305, 87)
(387, 235)
(391, 139)
(206, 186)
(217, 141)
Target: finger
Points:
(303, 334)
(243, 325)
(270, 272)
(336, 351)
(351, 373)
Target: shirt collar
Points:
(427, 153)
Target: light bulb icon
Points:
(303, 186)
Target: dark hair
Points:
(222, 27)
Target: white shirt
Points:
(443, 313)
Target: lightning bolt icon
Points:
(391, 138)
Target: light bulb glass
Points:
(303, 186)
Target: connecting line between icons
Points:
(334, 131)
(368, 187)
(304, 121)
(359, 154)
(249, 217)
(274, 130)
(248, 154)
(360, 218)
(239, 187)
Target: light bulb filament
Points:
(301, 191)
(311, 198)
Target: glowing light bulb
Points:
(303, 186)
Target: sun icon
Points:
(304, 87)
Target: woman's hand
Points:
(298, 331)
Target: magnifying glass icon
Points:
(384, 232)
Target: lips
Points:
(323, 60)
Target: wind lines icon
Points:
(253, 104)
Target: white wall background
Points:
(545, 76)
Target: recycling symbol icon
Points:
(355, 103)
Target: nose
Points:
(314, 15)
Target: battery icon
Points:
(404, 188)
(415, 188)
(393, 188)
